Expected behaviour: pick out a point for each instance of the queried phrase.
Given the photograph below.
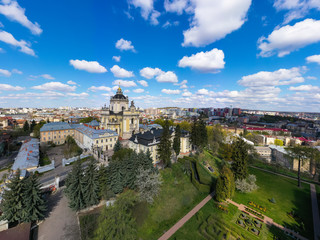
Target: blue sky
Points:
(186, 53)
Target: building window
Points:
(101, 140)
(115, 139)
(44, 139)
(107, 140)
(111, 145)
(55, 137)
(97, 141)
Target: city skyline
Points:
(249, 54)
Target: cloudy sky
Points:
(188, 53)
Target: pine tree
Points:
(12, 204)
(34, 204)
(91, 184)
(32, 125)
(202, 129)
(116, 177)
(194, 138)
(26, 126)
(225, 185)
(74, 187)
(129, 173)
(240, 159)
(117, 146)
(164, 147)
(176, 140)
(148, 160)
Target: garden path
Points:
(186, 218)
(266, 220)
(315, 212)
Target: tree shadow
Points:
(52, 202)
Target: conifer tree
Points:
(176, 140)
(117, 146)
(129, 172)
(164, 147)
(74, 187)
(116, 177)
(34, 204)
(194, 138)
(26, 126)
(32, 125)
(240, 159)
(12, 204)
(202, 129)
(91, 184)
(225, 185)
(149, 160)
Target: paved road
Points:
(186, 218)
(315, 212)
(61, 222)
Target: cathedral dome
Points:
(119, 95)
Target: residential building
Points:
(56, 132)
(264, 152)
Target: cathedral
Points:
(119, 116)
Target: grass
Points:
(288, 198)
(213, 161)
(44, 161)
(212, 223)
(176, 198)
(88, 224)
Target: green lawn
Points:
(212, 223)
(213, 161)
(288, 198)
(177, 197)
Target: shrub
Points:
(247, 185)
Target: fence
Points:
(73, 159)
(44, 168)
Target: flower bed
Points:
(254, 231)
(254, 212)
(263, 209)
(251, 224)
(257, 223)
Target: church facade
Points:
(119, 116)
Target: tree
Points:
(122, 154)
(300, 153)
(225, 184)
(164, 147)
(240, 159)
(91, 186)
(117, 222)
(194, 138)
(278, 142)
(225, 152)
(117, 146)
(176, 140)
(34, 203)
(148, 184)
(36, 129)
(116, 177)
(12, 204)
(26, 126)
(247, 185)
(72, 148)
(203, 140)
(32, 125)
(184, 125)
(75, 187)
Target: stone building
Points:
(119, 116)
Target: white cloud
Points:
(154, 17)
(296, 8)
(47, 76)
(14, 12)
(55, 86)
(210, 61)
(305, 88)
(287, 39)
(183, 84)
(177, 6)
(100, 88)
(138, 90)
(276, 78)
(5, 73)
(214, 19)
(313, 58)
(126, 91)
(16, 71)
(121, 72)
(115, 88)
(124, 45)
(311, 77)
(167, 77)
(78, 95)
(143, 83)
(71, 82)
(149, 73)
(170, 91)
(187, 94)
(116, 58)
(169, 24)
(89, 66)
(124, 83)
(23, 45)
(202, 91)
(7, 87)
(146, 7)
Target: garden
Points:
(223, 221)
(282, 201)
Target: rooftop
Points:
(28, 156)
(95, 133)
(55, 126)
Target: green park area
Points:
(291, 208)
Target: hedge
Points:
(201, 187)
